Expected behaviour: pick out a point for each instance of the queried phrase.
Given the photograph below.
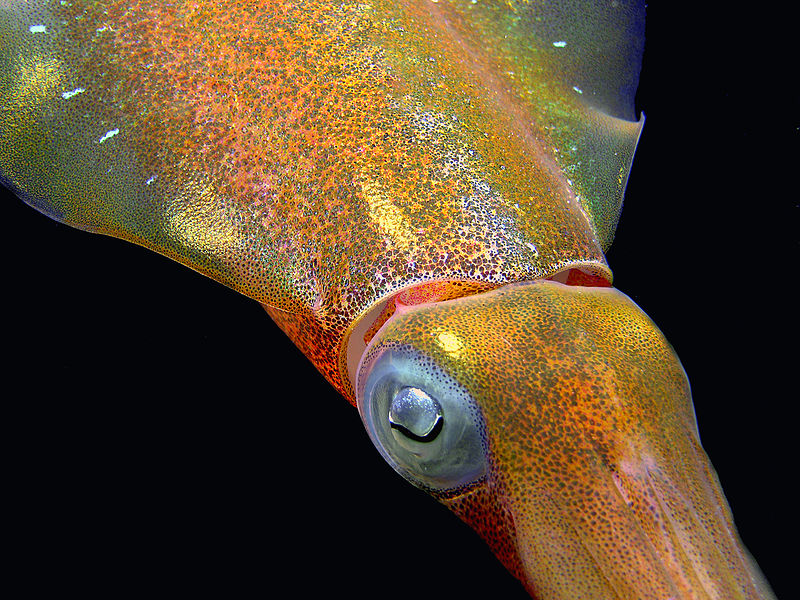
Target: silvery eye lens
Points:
(414, 415)
(425, 424)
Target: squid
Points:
(420, 194)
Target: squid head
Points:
(558, 422)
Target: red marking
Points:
(581, 278)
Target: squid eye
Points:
(425, 424)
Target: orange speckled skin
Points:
(320, 156)
(597, 486)
(326, 157)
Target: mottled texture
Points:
(597, 485)
(338, 159)
(320, 156)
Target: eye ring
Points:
(424, 424)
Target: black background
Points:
(164, 435)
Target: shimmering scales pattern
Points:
(320, 156)
(598, 486)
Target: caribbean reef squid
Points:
(420, 194)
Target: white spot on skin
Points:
(38, 28)
(577, 89)
(560, 44)
(151, 180)
(75, 92)
(108, 134)
(450, 342)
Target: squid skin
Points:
(325, 426)
(125, 298)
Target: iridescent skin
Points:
(321, 157)
(352, 152)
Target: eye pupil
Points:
(416, 415)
